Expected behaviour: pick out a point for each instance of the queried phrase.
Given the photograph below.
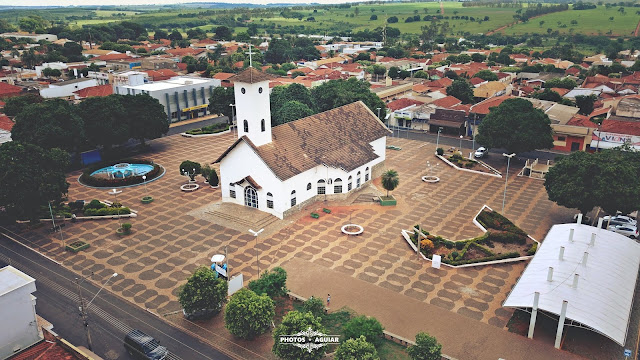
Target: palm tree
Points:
(390, 180)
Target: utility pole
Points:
(83, 314)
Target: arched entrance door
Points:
(250, 197)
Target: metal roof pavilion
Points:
(584, 273)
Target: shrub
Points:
(507, 237)
(533, 249)
(460, 245)
(369, 327)
(456, 157)
(273, 283)
(248, 314)
(427, 245)
(356, 349)
(454, 255)
(314, 305)
(469, 165)
(440, 151)
(106, 211)
(426, 348)
(126, 227)
(94, 204)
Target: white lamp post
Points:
(438, 137)
(83, 308)
(461, 143)
(144, 181)
(255, 234)
(115, 193)
(504, 195)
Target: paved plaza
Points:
(179, 231)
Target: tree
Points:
(461, 89)
(50, 124)
(248, 314)
(369, 327)
(616, 187)
(314, 305)
(585, 103)
(477, 57)
(516, 126)
(223, 33)
(49, 72)
(356, 349)
(290, 111)
(486, 75)
(147, 118)
(191, 168)
(293, 323)
(390, 180)
(392, 19)
(394, 72)
(565, 83)
(105, 120)
(278, 52)
(373, 17)
(426, 348)
(273, 283)
(33, 23)
(15, 104)
(175, 35)
(31, 177)
(220, 100)
(160, 34)
(335, 93)
(549, 95)
(203, 291)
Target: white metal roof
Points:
(174, 82)
(603, 297)
(12, 278)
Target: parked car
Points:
(626, 230)
(142, 346)
(481, 152)
(199, 314)
(620, 220)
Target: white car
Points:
(481, 152)
(626, 230)
(620, 220)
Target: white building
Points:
(67, 88)
(19, 328)
(279, 170)
(32, 37)
(183, 97)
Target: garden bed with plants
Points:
(209, 130)
(88, 180)
(91, 209)
(502, 240)
(77, 246)
(458, 161)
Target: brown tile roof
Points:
(484, 106)
(447, 102)
(339, 138)
(581, 120)
(402, 103)
(252, 76)
(621, 127)
(100, 90)
(561, 91)
(223, 76)
(9, 90)
(6, 123)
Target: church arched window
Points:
(321, 187)
(358, 180)
(366, 174)
(309, 186)
(293, 198)
(350, 183)
(262, 125)
(232, 190)
(243, 91)
(246, 126)
(270, 200)
(337, 186)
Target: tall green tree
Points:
(14, 105)
(335, 93)
(203, 291)
(390, 180)
(369, 327)
(487, 75)
(220, 100)
(461, 89)
(585, 103)
(293, 323)
(31, 177)
(105, 120)
(279, 51)
(609, 179)
(273, 283)
(517, 126)
(426, 348)
(356, 349)
(248, 315)
(290, 111)
(49, 124)
(223, 33)
(147, 118)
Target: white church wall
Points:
(253, 106)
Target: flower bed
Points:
(87, 179)
(77, 246)
(502, 240)
(462, 162)
(211, 129)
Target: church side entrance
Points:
(250, 197)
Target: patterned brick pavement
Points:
(167, 243)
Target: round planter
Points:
(359, 230)
(214, 187)
(430, 179)
(147, 199)
(189, 187)
(121, 232)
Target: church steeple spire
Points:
(251, 90)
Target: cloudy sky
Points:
(147, 2)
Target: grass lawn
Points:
(589, 22)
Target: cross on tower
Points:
(250, 53)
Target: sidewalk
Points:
(461, 337)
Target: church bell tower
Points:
(253, 110)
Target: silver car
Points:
(481, 152)
(626, 230)
(620, 220)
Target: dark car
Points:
(200, 314)
(142, 346)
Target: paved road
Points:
(110, 317)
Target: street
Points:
(109, 316)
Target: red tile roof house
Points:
(8, 90)
(93, 91)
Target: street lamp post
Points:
(83, 308)
(144, 181)
(438, 137)
(504, 195)
(115, 193)
(255, 234)
(461, 143)
(53, 223)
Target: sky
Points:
(149, 2)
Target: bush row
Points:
(87, 179)
(107, 211)
(513, 254)
(210, 129)
(494, 220)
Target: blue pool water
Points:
(120, 171)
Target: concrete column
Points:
(584, 258)
(178, 105)
(550, 274)
(563, 315)
(579, 218)
(570, 235)
(534, 314)
(593, 239)
(186, 98)
(561, 253)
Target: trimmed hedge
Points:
(210, 129)
(105, 211)
(87, 179)
(513, 254)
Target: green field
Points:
(589, 22)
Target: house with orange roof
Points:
(447, 102)
(93, 91)
(6, 125)
(182, 52)
(402, 112)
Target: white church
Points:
(281, 169)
